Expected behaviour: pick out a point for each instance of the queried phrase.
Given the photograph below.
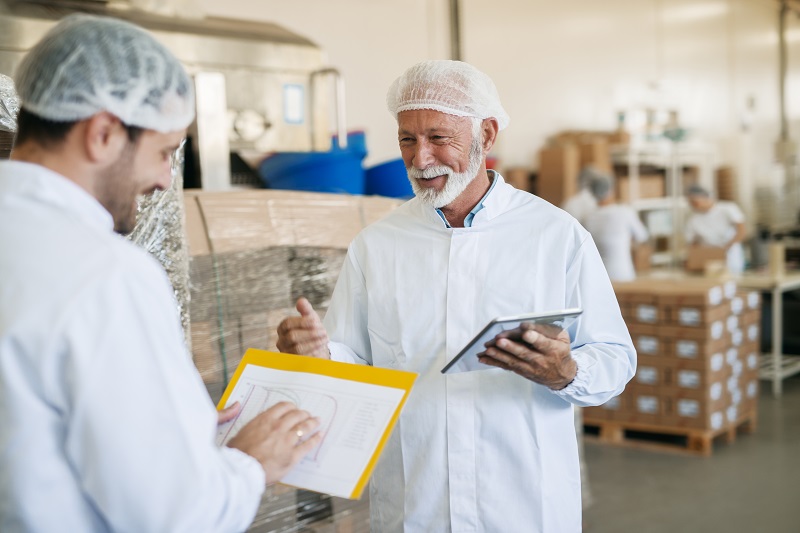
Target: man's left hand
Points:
(229, 413)
(536, 352)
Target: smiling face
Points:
(443, 154)
(143, 167)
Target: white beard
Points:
(456, 182)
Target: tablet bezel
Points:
(476, 345)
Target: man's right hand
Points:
(275, 438)
(304, 334)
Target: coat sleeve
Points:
(141, 432)
(601, 344)
(346, 319)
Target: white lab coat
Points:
(614, 228)
(581, 205)
(105, 424)
(484, 451)
(716, 227)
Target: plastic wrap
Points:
(160, 230)
(9, 107)
(253, 253)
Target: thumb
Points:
(304, 308)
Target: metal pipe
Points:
(783, 60)
(455, 30)
(341, 123)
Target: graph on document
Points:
(257, 397)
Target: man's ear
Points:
(104, 138)
(489, 130)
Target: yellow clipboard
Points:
(333, 389)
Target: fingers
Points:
(229, 413)
(304, 308)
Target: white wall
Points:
(569, 64)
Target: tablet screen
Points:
(467, 359)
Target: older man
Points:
(104, 423)
(716, 223)
(490, 450)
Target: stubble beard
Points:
(456, 183)
(119, 193)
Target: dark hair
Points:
(50, 133)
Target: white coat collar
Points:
(38, 183)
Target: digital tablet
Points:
(467, 359)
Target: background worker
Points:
(716, 223)
(495, 449)
(614, 228)
(105, 424)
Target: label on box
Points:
(737, 337)
(752, 300)
(752, 361)
(689, 379)
(732, 323)
(733, 383)
(736, 397)
(737, 305)
(716, 420)
(730, 289)
(733, 411)
(717, 362)
(648, 345)
(647, 375)
(752, 332)
(689, 316)
(647, 404)
(715, 295)
(717, 329)
(732, 355)
(647, 313)
(612, 404)
(752, 389)
(737, 368)
(686, 349)
(715, 391)
(690, 408)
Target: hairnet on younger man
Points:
(87, 64)
(451, 87)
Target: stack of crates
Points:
(698, 345)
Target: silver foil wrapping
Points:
(160, 230)
(9, 104)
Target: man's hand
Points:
(278, 438)
(539, 353)
(304, 334)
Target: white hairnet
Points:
(451, 87)
(87, 64)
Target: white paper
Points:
(353, 418)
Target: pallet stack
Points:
(698, 345)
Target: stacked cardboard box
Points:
(697, 342)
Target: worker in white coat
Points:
(583, 203)
(716, 223)
(495, 449)
(105, 424)
(614, 228)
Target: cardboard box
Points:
(611, 410)
(647, 340)
(642, 257)
(697, 316)
(726, 183)
(652, 373)
(557, 178)
(518, 177)
(650, 186)
(701, 258)
(701, 409)
(644, 408)
(701, 373)
(595, 152)
(695, 343)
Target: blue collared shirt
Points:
(478, 207)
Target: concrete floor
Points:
(751, 485)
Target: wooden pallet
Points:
(662, 438)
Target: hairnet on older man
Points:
(87, 64)
(600, 186)
(451, 87)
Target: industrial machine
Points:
(260, 88)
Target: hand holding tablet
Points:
(504, 343)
